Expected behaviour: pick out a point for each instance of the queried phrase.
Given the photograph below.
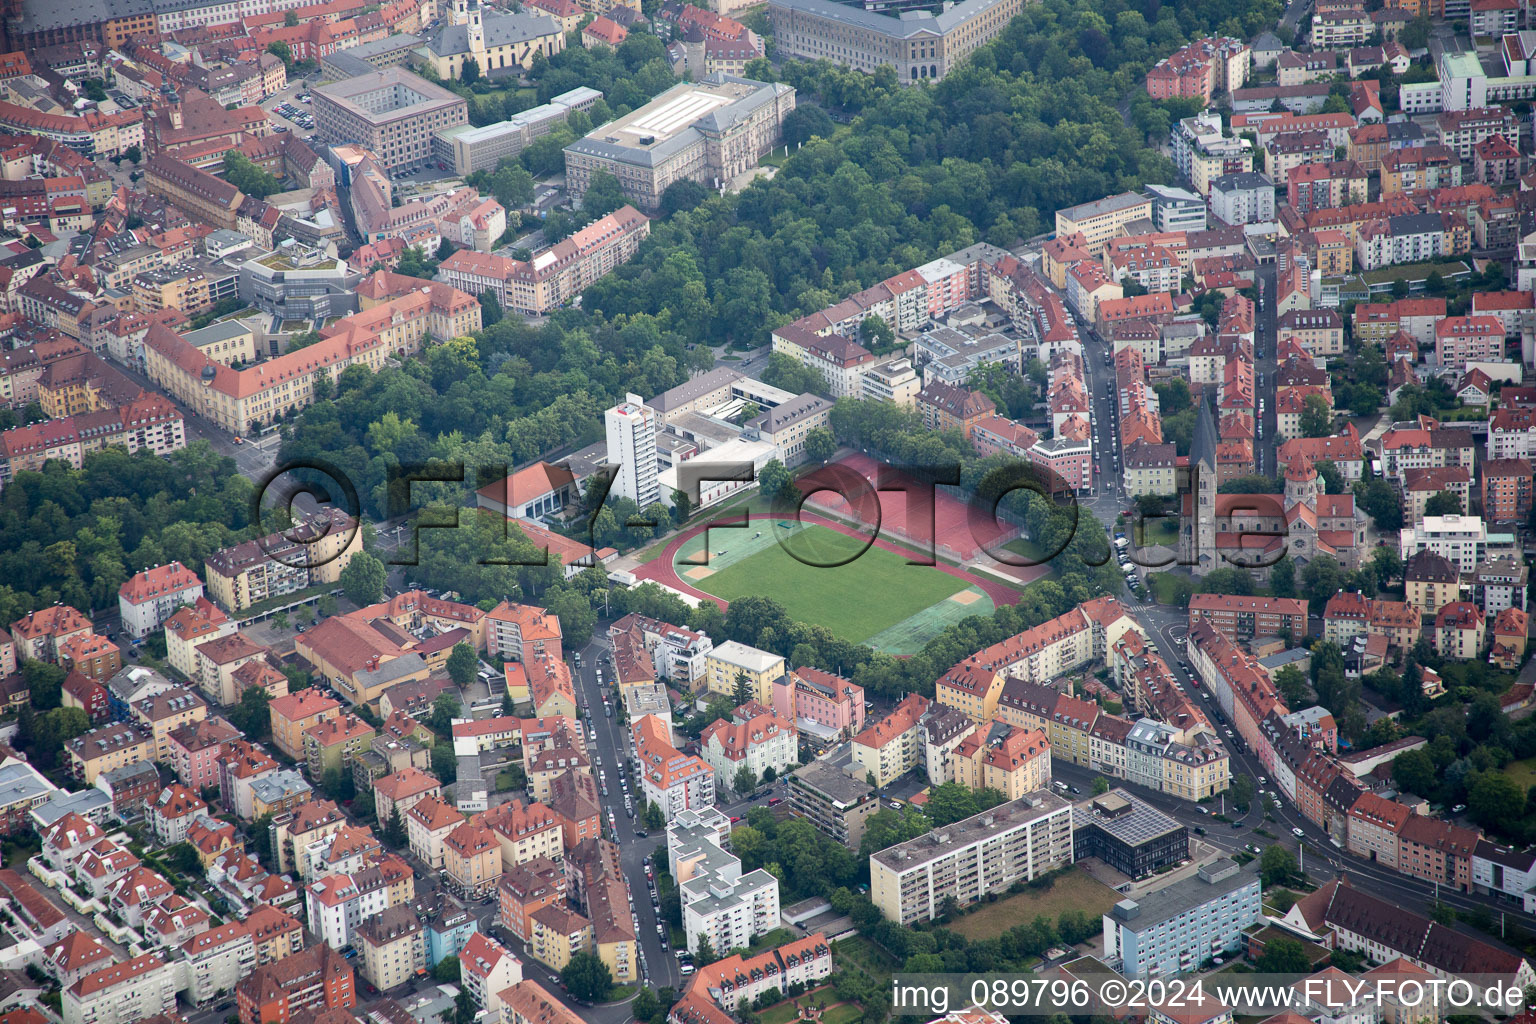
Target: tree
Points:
(251, 714)
(1277, 865)
(1415, 771)
(742, 691)
(682, 505)
(1242, 791)
(490, 308)
(775, 481)
(876, 334)
(805, 123)
(444, 710)
(362, 581)
(414, 263)
(281, 51)
(445, 764)
(1443, 503)
(1283, 955)
(1316, 417)
(1292, 684)
(604, 194)
(240, 172)
(744, 781)
(1100, 785)
(447, 970)
(464, 1009)
(50, 730)
(587, 978)
(133, 154)
(462, 664)
(681, 196)
(470, 73)
(290, 19)
(769, 774)
(820, 445)
(1493, 801)
(395, 834)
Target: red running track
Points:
(660, 568)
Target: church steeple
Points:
(1203, 487)
(1301, 483)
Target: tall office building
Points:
(632, 448)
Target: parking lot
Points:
(298, 112)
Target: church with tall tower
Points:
(499, 43)
(1253, 530)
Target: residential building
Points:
(834, 801)
(148, 598)
(726, 665)
(1175, 929)
(393, 947)
(123, 993)
(973, 858)
(721, 905)
(1243, 198)
(301, 984)
(1244, 618)
(757, 743)
(670, 779)
(893, 746)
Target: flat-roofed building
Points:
(1178, 927)
(1014, 842)
(707, 131)
(393, 113)
(1102, 219)
(1130, 836)
(834, 801)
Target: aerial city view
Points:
(767, 511)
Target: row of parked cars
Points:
(298, 115)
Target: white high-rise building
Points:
(632, 448)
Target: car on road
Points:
(1199, 830)
(1253, 848)
(1237, 825)
(1298, 833)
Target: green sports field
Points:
(877, 597)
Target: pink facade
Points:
(821, 697)
(1073, 464)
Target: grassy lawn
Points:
(893, 590)
(1169, 589)
(1072, 891)
(779, 1013)
(1522, 773)
(1158, 531)
(845, 1013)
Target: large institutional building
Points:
(392, 112)
(707, 131)
(919, 45)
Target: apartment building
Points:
(670, 779)
(486, 969)
(1003, 757)
(1241, 618)
(148, 598)
(393, 945)
(727, 664)
(820, 703)
(202, 196)
(840, 360)
(1506, 490)
(1102, 219)
(721, 905)
(427, 823)
(1175, 929)
(707, 131)
(148, 422)
(217, 960)
(111, 746)
(1460, 539)
(551, 278)
(294, 715)
(299, 985)
(124, 992)
(756, 743)
(834, 801)
(973, 858)
(893, 746)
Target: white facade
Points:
(150, 597)
(1462, 539)
(720, 904)
(217, 960)
(632, 448)
(337, 908)
(123, 993)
